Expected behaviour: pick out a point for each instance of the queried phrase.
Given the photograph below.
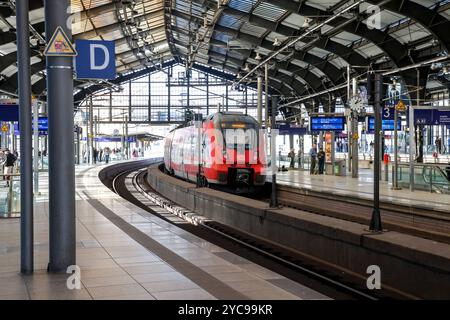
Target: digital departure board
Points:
(327, 124)
(386, 125)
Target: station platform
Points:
(126, 253)
(362, 188)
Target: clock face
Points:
(356, 103)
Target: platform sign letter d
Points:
(105, 54)
(374, 280)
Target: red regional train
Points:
(231, 153)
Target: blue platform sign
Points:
(327, 124)
(42, 127)
(288, 129)
(95, 60)
(431, 117)
(9, 112)
(386, 125)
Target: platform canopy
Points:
(229, 37)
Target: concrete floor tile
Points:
(117, 291)
(191, 294)
(107, 281)
(169, 285)
(160, 276)
(154, 267)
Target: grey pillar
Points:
(259, 106)
(333, 152)
(95, 132)
(61, 144)
(375, 222)
(266, 90)
(349, 123)
(78, 137)
(91, 131)
(36, 146)
(88, 149)
(395, 175)
(412, 135)
(273, 153)
(26, 165)
(127, 144)
(320, 144)
(355, 137)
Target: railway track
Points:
(418, 222)
(130, 183)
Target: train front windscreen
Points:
(239, 131)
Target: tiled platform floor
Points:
(126, 253)
(363, 188)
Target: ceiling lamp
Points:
(306, 23)
(247, 68)
(276, 42)
(258, 57)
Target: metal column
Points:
(91, 132)
(395, 175)
(127, 144)
(273, 153)
(375, 222)
(266, 90)
(87, 146)
(61, 144)
(36, 146)
(26, 165)
(412, 135)
(333, 152)
(95, 132)
(349, 122)
(259, 106)
(78, 137)
(355, 137)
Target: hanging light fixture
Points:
(258, 57)
(306, 23)
(247, 68)
(276, 42)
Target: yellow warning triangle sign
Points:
(60, 45)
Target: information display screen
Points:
(327, 124)
(42, 126)
(386, 125)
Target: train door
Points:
(193, 150)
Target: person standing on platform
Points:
(100, 155)
(438, 144)
(291, 156)
(107, 152)
(95, 155)
(321, 159)
(313, 157)
(10, 160)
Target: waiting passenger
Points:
(9, 165)
(313, 157)
(291, 155)
(321, 158)
(107, 152)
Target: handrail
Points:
(419, 165)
